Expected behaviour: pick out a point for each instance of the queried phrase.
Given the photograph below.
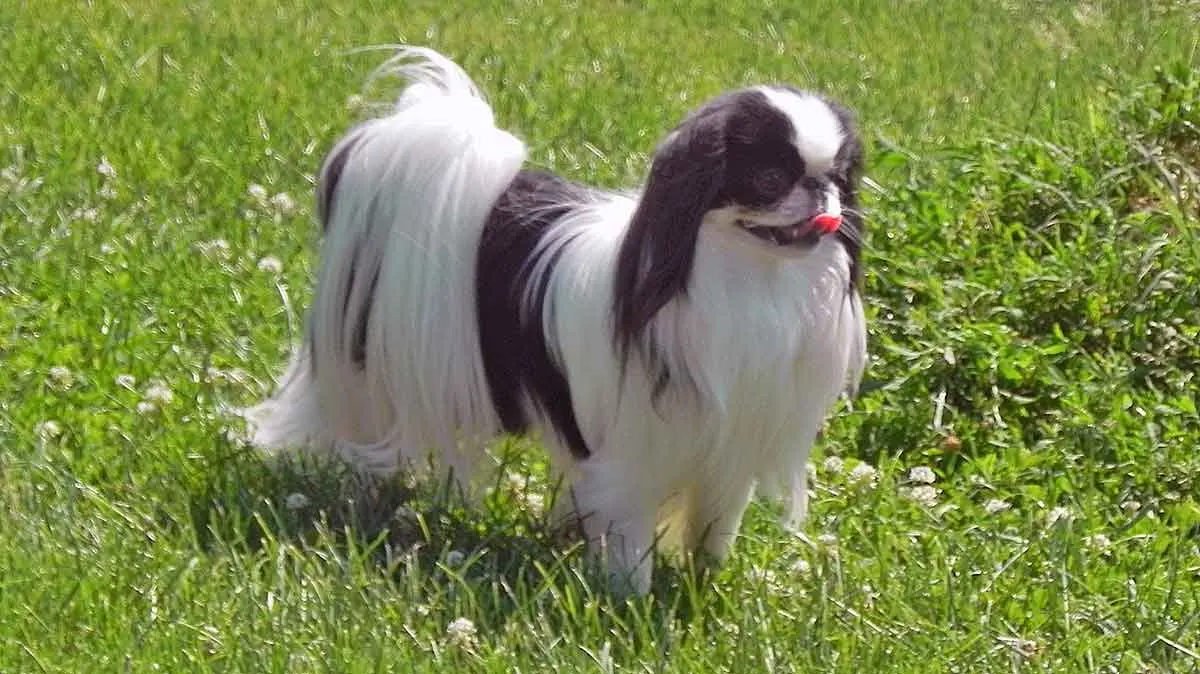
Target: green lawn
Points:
(1016, 490)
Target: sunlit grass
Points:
(1015, 490)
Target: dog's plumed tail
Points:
(392, 330)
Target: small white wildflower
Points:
(125, 381)
(534, 502)
(1021, 647)
(106, 169)
(863, 475)
(828, 540)
(61, 377)
(1099, 542)
(108, 193)
(85, 214)
(1056, 514)
(270, 264)
(107, 249)
(455, 558)
(217, 248)
(296, 501)
(146, 407)
(834, 465)
(159, 394)
(48, 429)
(994, 506)
(283, 203)
(461, 632)
(257, 192)
(922, 475)
(801, 567)
(922, 494)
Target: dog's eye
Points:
(771, 184)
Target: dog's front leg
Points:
(620, 534)
(715, 518)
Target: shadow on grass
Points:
(504, 550)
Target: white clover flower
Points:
(1056, 514)
(461, 632)
(994, 506)
(924, 495)
(159, 394)
(106, 169)
(828, 540)
(534, 502)
(834, 465)
(108, 193)
(48, 429)
(455, 558)
(922, 475)
(107, 249)
(863, 475)
(61, 377)
(125, 381)
(257, 192)
(801, 567)
(270, 264)
(283, 203)
(145, 407)
(296, 501)
(1099, 542)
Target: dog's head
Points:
(772, 168)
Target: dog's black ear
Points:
(655, 261)
(331, 176)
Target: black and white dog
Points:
(675, 346)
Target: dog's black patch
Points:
(516, 355)
(331, 175)
(848, 167)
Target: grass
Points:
(1035, 339)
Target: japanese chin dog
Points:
(675, 347)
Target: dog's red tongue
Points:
(827, 223)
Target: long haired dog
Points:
(675, 347)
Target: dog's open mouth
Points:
(799, 234)
(805, 233)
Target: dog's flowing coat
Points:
(675, 347)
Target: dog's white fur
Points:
(766, 342)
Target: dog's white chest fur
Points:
(754, 355)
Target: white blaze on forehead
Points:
(818, 131)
